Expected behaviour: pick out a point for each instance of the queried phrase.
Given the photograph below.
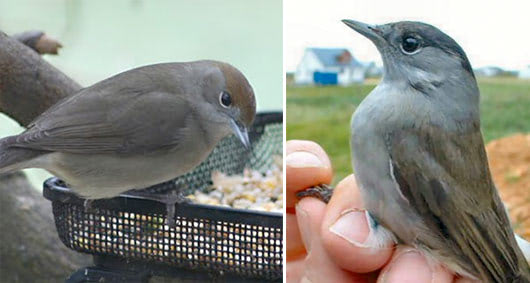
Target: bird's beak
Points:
(241, 132)
(374, 33)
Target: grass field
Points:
(322, 114)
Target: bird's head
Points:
(231, 100)
(416, 51)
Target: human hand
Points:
(325, 242)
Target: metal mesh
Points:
(231, 158)
(248, 250)
(212, 239)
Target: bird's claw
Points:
(322, 192)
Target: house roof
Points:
(330, 56)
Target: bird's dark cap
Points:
(432, 36)
(241, 91)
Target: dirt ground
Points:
(509, 160)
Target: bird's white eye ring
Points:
(225, 99)
(410, 45)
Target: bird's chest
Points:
(388, 109)
(376, 118)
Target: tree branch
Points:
(28, 84)
(38, 41)
(30, 249)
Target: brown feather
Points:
(470, 226)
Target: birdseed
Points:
(251, 190)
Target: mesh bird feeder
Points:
(130, 241)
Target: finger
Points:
(318, 266)
(303, 158)
(294, 245)
(307, 165)
(345, 231)
(409, 265)
(294, 270)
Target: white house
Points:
(525, 73)
(329, 66)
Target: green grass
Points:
(322, 114)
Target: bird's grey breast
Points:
(390, 110)
(369, 154)
(379, 114)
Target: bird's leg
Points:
(88, 205)
(170, 199)
(322, 192)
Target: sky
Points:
(490, 32)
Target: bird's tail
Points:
(14, 158)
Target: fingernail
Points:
(304, 226)
(400, 268)
(305, 280)
(303, 159)
(352, 227)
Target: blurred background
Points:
(103, 38)
(330, 69)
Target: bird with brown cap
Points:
(136, 129)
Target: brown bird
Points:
(136, 129)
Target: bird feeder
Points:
(130, 241)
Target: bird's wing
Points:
(123, 121)
(445, 178)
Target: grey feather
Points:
(12, 159)
(75, 128)
(111, 118)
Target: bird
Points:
(419, 158)
(136, 129)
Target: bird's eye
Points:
(224, 99)
(410, 45)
